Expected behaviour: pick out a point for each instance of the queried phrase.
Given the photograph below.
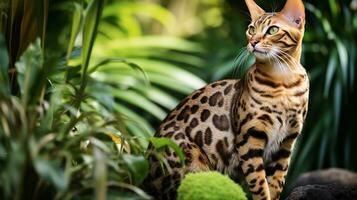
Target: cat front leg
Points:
(251, 146)
(277, 169)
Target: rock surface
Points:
(326, 177)
(323, 192)
(331, 184)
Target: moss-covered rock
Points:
(209, 186)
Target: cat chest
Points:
(286, 120)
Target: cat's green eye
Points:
(252, 30)
(272, 30)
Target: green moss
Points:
(209, 186)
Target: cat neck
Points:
(280, 72)
(285, 68)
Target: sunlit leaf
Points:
(331, 68)
(160, 143)
(76, 20)
(343, 57)
(141, 102)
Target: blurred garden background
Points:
(85, 83)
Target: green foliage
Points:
(209, 186)
(330, 57)
(160, 144)
(140, 70)
(4, 62)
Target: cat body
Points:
(244, 128)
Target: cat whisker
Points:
(281, 61)
(289, 57)
(287, 60)
(240, 59)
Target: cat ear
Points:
(294, 10)
(254, 10)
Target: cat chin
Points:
(261, 57)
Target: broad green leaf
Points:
(158, 96)
(29, 70)
(120, 60)
(76, 21)
(136, 119)
(141, 102)
(170, 83)
(166, 69)
(160, 143)
(343, 57)
(153, 42)
(138, 166)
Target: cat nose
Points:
(254, 42)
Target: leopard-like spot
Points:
(169, 125)
(221, 102)
(221, 122)
(188, 156)
(196, 95)
(183, 145)
(179, 135)
(223, 83)
(194, 109)
(214, 85)
(169, 134)
(228, 89)
(188, 131)
(204, 99)
(174, 164)
(193, 123)
(205, 114)
(184, 114)
(198, 138)
(215, 98)
(167, 151)
(208, 136)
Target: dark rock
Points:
(326, 177)
(331, 184)
(323, 192)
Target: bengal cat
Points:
(243, 127)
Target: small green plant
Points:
(209, 186)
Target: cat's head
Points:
(271, 35)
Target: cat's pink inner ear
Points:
(294, 10)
